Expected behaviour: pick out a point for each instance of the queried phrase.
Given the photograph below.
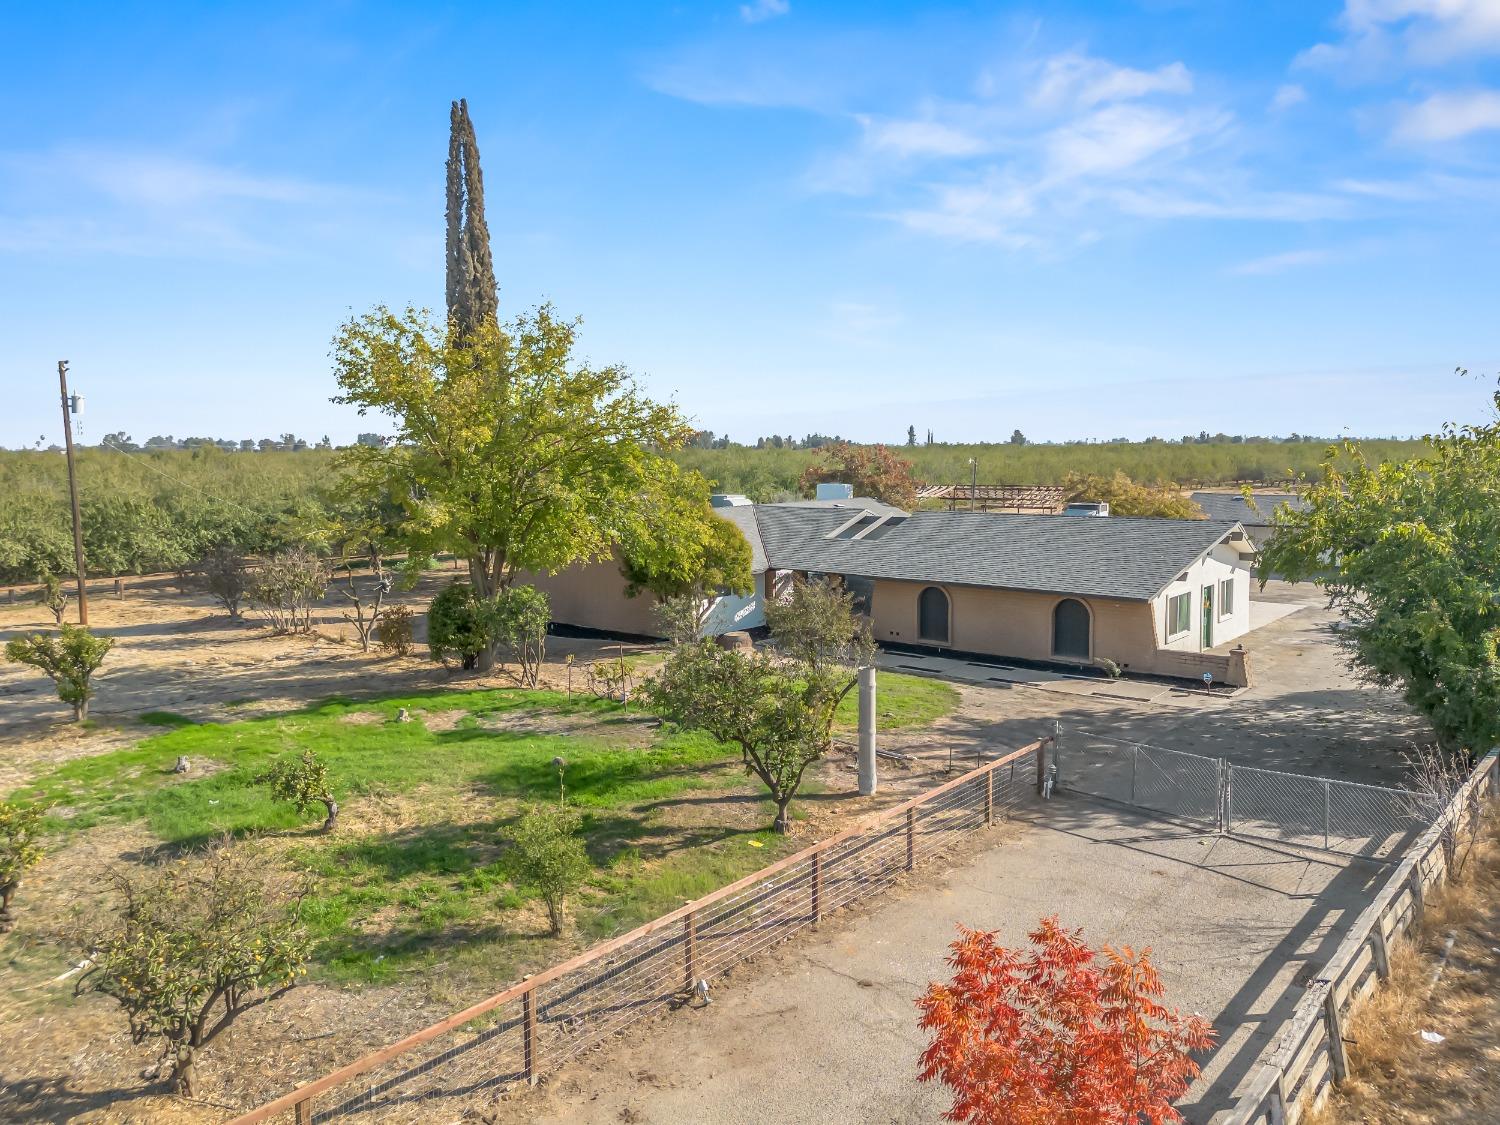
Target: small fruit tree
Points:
(70, 658)
(19, 850)
(193, 945)
(1060, 1033)
(303, 780)
(547, 854)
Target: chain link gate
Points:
(1317, 812)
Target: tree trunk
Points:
(7, 892)
(333, 814)
(555, 916)
(184, 1075)
(783, 822)
(80, 710)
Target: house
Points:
(1154, 596)
(1256, 518)
(1150, 596)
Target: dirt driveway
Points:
(825, 1029)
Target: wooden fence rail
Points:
(582, 1001)
(1298, 1067)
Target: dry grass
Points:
(1396, 1078)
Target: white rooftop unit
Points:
(832, 490)
(729, 500)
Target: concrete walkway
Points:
(825, 1030)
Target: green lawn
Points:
(403, 899)
(901, 701)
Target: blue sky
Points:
(1081, 220)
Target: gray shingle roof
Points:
(743, 517)
(1114, 557)
(1232, 506)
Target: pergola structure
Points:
(1041, 499)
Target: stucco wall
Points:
(1013, 622)
(1219, 564)
(1019, 624)
(592, 596)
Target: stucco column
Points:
(867, 779)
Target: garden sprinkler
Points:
(560, 764)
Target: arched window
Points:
(932, 615)
(1070, 630)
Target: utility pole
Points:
(973, 481)
(68, 407)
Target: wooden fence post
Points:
(1381, 954)
(304, 1112)
(690, 949)
(528, 1035)
(1336, 1056)
(911, 837)
(989, 798)
(817, 888)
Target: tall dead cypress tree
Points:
(472, 294)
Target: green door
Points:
(1208, 617)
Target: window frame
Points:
(1186, 597)
(1225, 607)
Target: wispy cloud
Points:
(760, 10)
(1081, 81)
(1379, 33)
(1281, 263)
(919, 137)
(1449, 116)
(144, 203)
(1286, 96)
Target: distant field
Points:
(152, 512)
(764, 473)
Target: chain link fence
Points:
(1320, 812)
(539, 1025)
(1172, 782)
(1339, 816)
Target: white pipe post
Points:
(867, 779)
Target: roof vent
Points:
(832, 490)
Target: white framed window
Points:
(1179, 614)
(1226, 598)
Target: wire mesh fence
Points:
(542, 1023)
(1171, 782)
(1320, 812)
(1340, 816)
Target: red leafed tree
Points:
(873, 470)
(1059, 1034)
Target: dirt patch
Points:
(633, 730)
(441, 720)
(362, 718)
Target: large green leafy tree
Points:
(1410, 551)
(684, 553)
(510, 452)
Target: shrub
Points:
(71, 658)
(225, 576)
(393, 633)
(19, 851)
(456, 626)
(194, 944)
(53, 596)
(287, 586)
(521, 615)
(547, 854)
(303, 780)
